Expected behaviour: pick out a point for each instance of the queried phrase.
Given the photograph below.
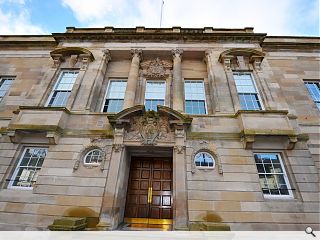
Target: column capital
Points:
(136, 52)
(107, 54)
(177, 52)
(208, 52)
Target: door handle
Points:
(149, 194)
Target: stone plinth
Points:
(68, 224)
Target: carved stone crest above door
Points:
(149, 127)
(156, 68)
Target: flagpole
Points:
(162, 2)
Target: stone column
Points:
(212, 82)
(179, 180)
(178, 86)
(51, 75)
(109, 212)
(227, 62)
(132, 79)
(96, 86)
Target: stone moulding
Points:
(266, 123)
(68, 51)
(184, 34)
(24, 123)
(75, 55)
(229, 58)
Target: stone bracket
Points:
(16, 136)
(248, 141)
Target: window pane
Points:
(244, 83)
(5, 84)
(248, 94)
(117, 89)
(194, 90)
(249, 101)
(195, 107)
(59, 99)
(152, 104)
(314, 90)
(27, 170)
(115, 96)
(113, 105)
(204, 159)
(62, 90)
(155, 90)
(93, 157)
(271, 174)
(66, 81)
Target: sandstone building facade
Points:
(188, 128)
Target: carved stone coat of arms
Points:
(149, 128)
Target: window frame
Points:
(255, 87)
(204, 167)
(317, 83)
(2, 80)
(107, 90)
(92, 164)
(17, 168)
(204, 96)
(285, 176)
(57, 84)
(165, 91)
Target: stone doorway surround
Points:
(134, 128)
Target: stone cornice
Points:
(157, 34)
(291, 42)
(27, 40)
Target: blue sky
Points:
(274, 17)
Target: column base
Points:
(103, 226)
(181, 228)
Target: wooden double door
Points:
(149, 195)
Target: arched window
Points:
(204, 159)
(93, 157)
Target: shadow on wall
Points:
(91, 216)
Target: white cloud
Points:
(93, 10)
(17, 22)
(273, 16)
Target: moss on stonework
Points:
(211, 135)
(68, 224)
(273, 132)
(208, 226)
(106, 133)
(32, 127)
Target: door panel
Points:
(150, 188)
